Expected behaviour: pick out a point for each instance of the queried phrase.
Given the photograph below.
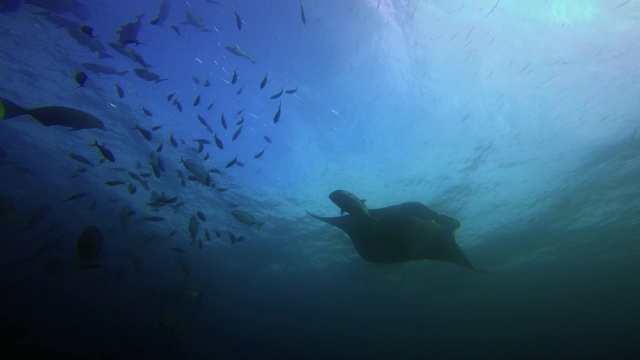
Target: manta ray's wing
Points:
(417, 210)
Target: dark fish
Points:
(200, 148)
(218, 141)
(195, 21)
(145, 174)
(156, 170)
(24, 170)
(236, 134)
(217, 233)
(178, 104)
(277, 95)
(240, 163)
(246, 218)
(241, 121)
(223, 121)
(239, 112)
(114, 182)
(132, 188)
(276, 117)
(145, 133)
(106, 153)
(156, 127)
(232, 237)
(234, 77)
(176, 29)
(206, 235)
(129, 52)
(291, 91)
(258, 155)
(240, 239)
(239, 91)
(80, 158)
(264, 81)
(170, 96)
(154, 218)
(148, 75)
(87, 30)
(302, 15)
(215, 171)
(120, 91)
(80, 78)
(134, 176)
(181, 176)
(194, 226)
(173, 141)
(206, 83)
(196, 101)
(162, 13)
(235, 49)
(89, 248)
(160, 164)
(202, 141)
(209, 107)
(232, 162)
(159, 148)
(238, 20)
(202, 120)
(206, 157)
(146, 112)
(102, 69)
(75, 196)
(201, 216)
(267, 139)
(129, 31)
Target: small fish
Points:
(206, 83)
(195, 80)
(236, 50)
(120, 91)
(89, 248)
(202, 120)
(202, 141)
(80, 158)
(239, 112)
(234, 77)
(223, 121)
(209, 107)
(291, 91)
(159, 148)
(216, 232)
(264, 81)
(106, 153)
(219, 143)
(172, 141)
(241, 121)
(302, 15)
(75, 196)
(238, 20)
(206, 235)
(178, 105)
(80, 78)
(145, 174)
(239, 91)
(267, 139)
(132, 188)
(170, 96)
(146, 112)
(278, 94)
(156, 127)
(86, 29)
(145, 133)
(232, 237)
(240, 239)
(176, 29)
(155, 170)
(276, 117)
(114, 182)
(232, 162)
(258, 155)
(148, 75)
(246, 218)
(201, 216)
(240, 163)
(206, 157)
(154, 218)
(181, 176)
(160, 164)
(236, 134)
(196, 101)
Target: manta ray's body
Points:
(398, 233)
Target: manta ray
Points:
(398, 233)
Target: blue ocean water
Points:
(519, 118)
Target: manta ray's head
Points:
(347, 202)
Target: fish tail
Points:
(10, 110)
